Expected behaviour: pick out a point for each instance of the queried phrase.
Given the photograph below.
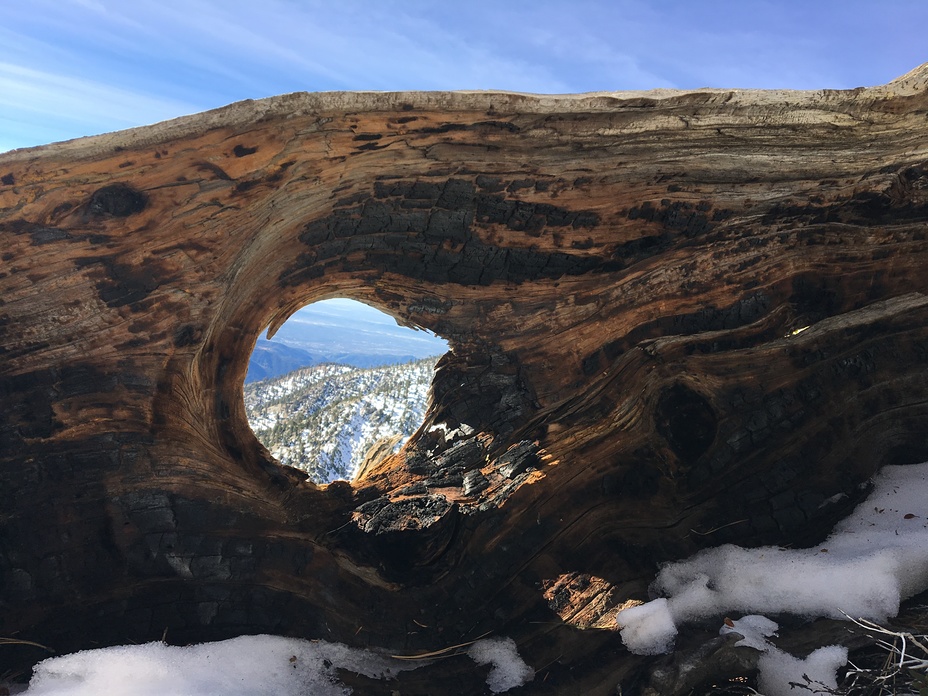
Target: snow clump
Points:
(508, 670)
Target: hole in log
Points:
(686, 420)
(339, 388)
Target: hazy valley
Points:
(339, 331)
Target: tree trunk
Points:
(676, 319)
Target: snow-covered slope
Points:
(323, 419)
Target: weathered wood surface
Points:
(620, 277)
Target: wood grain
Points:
(677, 319)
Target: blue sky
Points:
(78, 67)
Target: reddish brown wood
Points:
(620, 277)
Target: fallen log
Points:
(676, 319)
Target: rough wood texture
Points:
(620, 277)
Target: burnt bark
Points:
(677, 319)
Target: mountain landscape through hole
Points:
(340, 383)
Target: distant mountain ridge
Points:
(323, 419)
(272, 359)
(339, 331)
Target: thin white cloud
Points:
(341, 46)
(92, 5)
(36, 95)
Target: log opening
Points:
(340, 388)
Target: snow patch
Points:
(873, 560)
(508, 669)
(816, 674)
(246, 666)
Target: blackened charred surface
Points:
(48, 235)
(792, 498)
(404, 537)
(38, 233)
(506, 126)
(522, 216)
(484, 204)
(745, 311)
(518, 459)
(202, 585)
(687, 421)
(425, 230)
(157, 532)
(24, 349)
(371, 147)
(188, 334)
(708, 319)
(490, 184)
(121, 284)
(816, 296)
(426, 257)
(31, 398)
(681, 217)
(243, 150)
(214, 169)
(28, 411)
(903, 200)
(781, 505)
(640, 481)
(382, 517)
(634, 250)
(443, 459)
(486, 126)
(123, 293)
(592, 363)
(117, 200)
(906, 451)
(486, 391)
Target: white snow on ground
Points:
(816, 674)
(508, 670)
(244, 666)
(873, 560)
(778, 670)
